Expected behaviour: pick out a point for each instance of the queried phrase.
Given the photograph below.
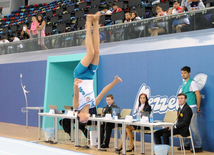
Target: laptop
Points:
(117, 110)
(67, 108)
(54, 107)
(144, 113)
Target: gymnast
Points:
(84, 99)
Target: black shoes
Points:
(119, 149)
(197, 150)
(104, 146)
(185, 147)
(130, 150)
(188, 148)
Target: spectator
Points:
(41, 33)
(134, 16)
(188, 5)
(190, 88)
(107, 127)
(15, 39)
(106, 11)
(25, 32)
(182, 23)
(127, 17)
(116, 8)
(34, 33)
(33, 27)
(169, 11)
(182, 123)
(4, 40)
(117, 33)
(128, 29)
(143, 106)
(137, 30)
(160, 26)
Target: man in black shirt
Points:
(107, 127)
(182, 124)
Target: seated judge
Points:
(142, 106)
(107, 127)
(182, 124)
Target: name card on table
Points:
(129, 118)
(52, 111)
(108, 116)
(144, 119)
(70, 113)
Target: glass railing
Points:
(182, 22)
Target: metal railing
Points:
(198, 19)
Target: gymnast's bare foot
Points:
(97, 17)
(117, 79)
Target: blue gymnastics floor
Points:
(10, 146)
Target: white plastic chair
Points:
(181, 139)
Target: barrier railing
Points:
(182, 22)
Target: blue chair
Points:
(14, 11)
(22, 14)
(22, 7)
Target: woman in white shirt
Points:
(143, 106)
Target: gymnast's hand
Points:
(117, 79)
(77, 81)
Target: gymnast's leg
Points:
(96, 39)
(86, 61)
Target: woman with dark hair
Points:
(143, 106)
(134, 16)
(137, 31)
(41, 29)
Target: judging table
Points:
(116, 122)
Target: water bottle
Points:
(151, 117)
(138, 116)
(114, 113)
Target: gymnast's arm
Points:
(76, 93)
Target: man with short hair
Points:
(182, 23)
(116, 8)
(106, 11)
(181, 126)
(15, 39)
(4, 40)
(107, 127)
(190, 88)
